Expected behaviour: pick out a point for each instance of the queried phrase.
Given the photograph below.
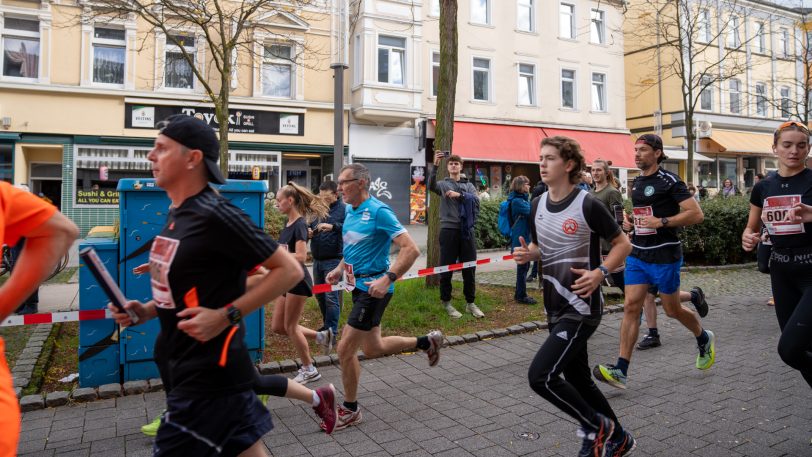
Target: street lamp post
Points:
(339, 65)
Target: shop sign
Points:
(239, 120)
(97, 197)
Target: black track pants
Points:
(792, 289)
(455, 249)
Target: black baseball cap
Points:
(193, 133)
(652, 140)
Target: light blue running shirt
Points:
(368, 233)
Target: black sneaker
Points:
(622, 446)
(595, 441)
(700, 304)
(648, 342)
(526, 300)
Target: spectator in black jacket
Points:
(327, 248)
(537, 191)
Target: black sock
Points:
(653, 332)
(423, 343)
(703, 338)
(351, 405)
(618, 433)
(694, 297)
(622, 365)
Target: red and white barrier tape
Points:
(96, 314)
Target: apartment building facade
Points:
(81, 95)
(749, 52)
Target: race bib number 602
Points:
(775, 211)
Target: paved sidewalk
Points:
(477, 402)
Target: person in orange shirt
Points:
(48, 235)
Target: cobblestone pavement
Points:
(477, 401)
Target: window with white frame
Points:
(785, 102)
(527, 84)
(525, 15)
(568, 89)
(435, 72)
(178, 72)
(278, 70)
(704, 26)
(735, 93)
(783, 42)
(760, 41)
(482, 79)
(761, 99)
(597, 27)
(391, 60)
(706, 94)
(21, 47)
(481, 11)
(598, 92)
(566, 20)
(357, 60)
(434, 8)
(733, 37)
(109, 55)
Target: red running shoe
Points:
(327, 408)
(346, 418)
(435, 343)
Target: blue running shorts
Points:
(665, 276)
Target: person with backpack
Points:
(459, 205)
(518, 203)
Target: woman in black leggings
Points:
(781, 202)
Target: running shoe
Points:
(700, 304)
(595, 441)
(346, 418)
(264, 399)
(435, 343)
(474, 310)
(151, 429)
(707, 353)
(305, 376)
(526, 300)
(327, 340)
(610, 375)
(648, 342)
(452, 312)
(621, 446)
(327, 407)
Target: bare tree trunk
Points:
(444, 137)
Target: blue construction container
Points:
(143, 211)
(98, 339)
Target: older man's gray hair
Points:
(359, 172)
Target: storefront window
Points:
(6, 161)
(671, 166)
(727, 169)
(99, 168)
(707, 174)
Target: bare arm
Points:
(752, 231)
(301, 251)
(44, 246)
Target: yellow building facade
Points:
(748, 53)
(80, 96)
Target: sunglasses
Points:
(791, 124)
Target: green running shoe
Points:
(707, 353)
(151, 429)
(264, 399)
(610, 375)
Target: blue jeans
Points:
(521, 281)
(328, 302)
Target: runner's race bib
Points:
(640, 213)
(775, 212)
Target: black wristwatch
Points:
(664, 221)
(233, 314)
(603, 270)
(392, 276)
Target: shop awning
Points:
(681, 154)
(752, 143)
(517, 144)
(617, 147)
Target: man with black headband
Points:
(661, 203)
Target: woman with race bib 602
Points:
(781, 202)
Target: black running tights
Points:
(270, 385)
(792, 289)
(565, 352)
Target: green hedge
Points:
(487, 225)
(274, 220)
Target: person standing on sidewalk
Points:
(782, 202)
(606, 191)
(537, 191)
(299, 205)
(519, 208)
(369, 230)
(49, 235)
(567, 224)
(198, 267)
(661, 203)
(326, 247)
(457, 242)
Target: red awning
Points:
(516, 144)
(617, 147)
